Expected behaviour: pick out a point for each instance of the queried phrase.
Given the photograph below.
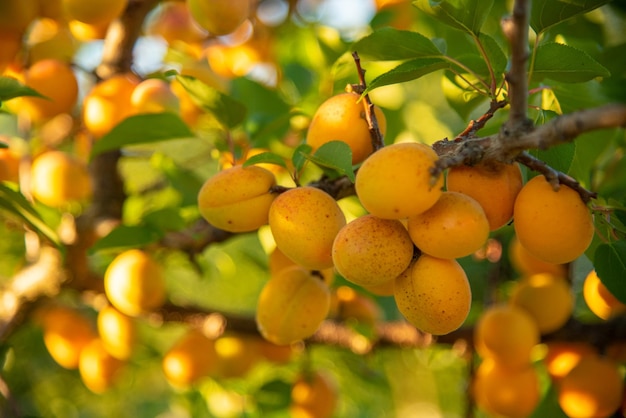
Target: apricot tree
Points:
(206, 203)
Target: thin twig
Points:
(372, 122)
(477, 124)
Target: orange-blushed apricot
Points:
(98, 368)
(314, 394)
(599, 299)
(191, 358)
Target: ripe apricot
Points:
(55, 80)
(237, 199)
(50, 39)
(154, 96)
(279, 261)
(9, 165)
(395, 181)
(494, 186)
(593, 388)
(94, 12)
(434, 294)
(304, 222)
(219, 17)
(191, 358)
(599, 299)
(57, 178)
(547, 298)
(117, 332)
(527, 264)
(173, 22)
(383, 289)
(97, 367)
(85, 32)
(371, 251)
(555, 226)
(134, 283)
(66, 333)
(455, 226)
(342, 118)
(108, 103)
(292, 306)
(507, 334)
(500, 391)
(563, 356)
(235, 354)
(313, 395)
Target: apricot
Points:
(547, 298)
(313, 395)
(383, 289)
(9, 165)
(292, 306)
(494, 186)
(593, 388)
(555, 226)
(279, 261)
(134, 283)
(599, 299)
(57, 178)
(219, 17)
(455, 226)
(94, 12)
(117, 332)
(304, 222)
(371, 251)
(235, 354)
(563, 356)
(434, 294)
(108, 103)
(507, 334)
(352, 305)
(55, 80)
(500, 391)
(191, 358)
(342, 117)
(98, 368)
(154, 96)
(237, 199)
(66, 332)
(85, 32)
(50, 39)
(527, 264)
(395, 181)
(173, 23)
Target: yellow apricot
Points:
(353, 305)
(279, 261)
(95, 11)
(58, 178)
(313, 395)
(134, 283)
(599, 299)
(292, 306)
(173, 22)
(500, 391)
(53, 79)
(383, 289)
(50, 39)
(219, 17)
(547, 298)
(9, 165)
(455, 226)
(97, 367)
(65, 334)
(563, 356)
(555, 226)
(154, 96)
(395, 181)
(593, 388)
(507, 334)
(191, 358)
(434, 295)
(117, 332)
(527, 264)
(494, 186)
(371, 251)
(108, 103)
(85, 32)
(236, 355)
(304, 222)
(237, 199)
(342, 117)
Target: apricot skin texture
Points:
(304, 222)
(237, 199)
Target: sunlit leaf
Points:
(390, 44)
(410, 70)
(266, 158)
(547, 13)
(466, 15)
(566, 64)
(336, 155)
(610, 265)
(11, 88)
(183, 180)
(127, 236)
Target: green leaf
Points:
(266, 158)
(124, 237)
(465, 15)
(273, 396)
(410, 70)
(186, 182)
(462, 99)
(166, 219)
(11, 88)
(566, 64)
(227, 110)
(15, 203)
(142, 129)
(299, 157)
(547, 13)
(336, 155)
(3, 145)
(560, 158)
(494, 53)
(610, 265)
(390, 44)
